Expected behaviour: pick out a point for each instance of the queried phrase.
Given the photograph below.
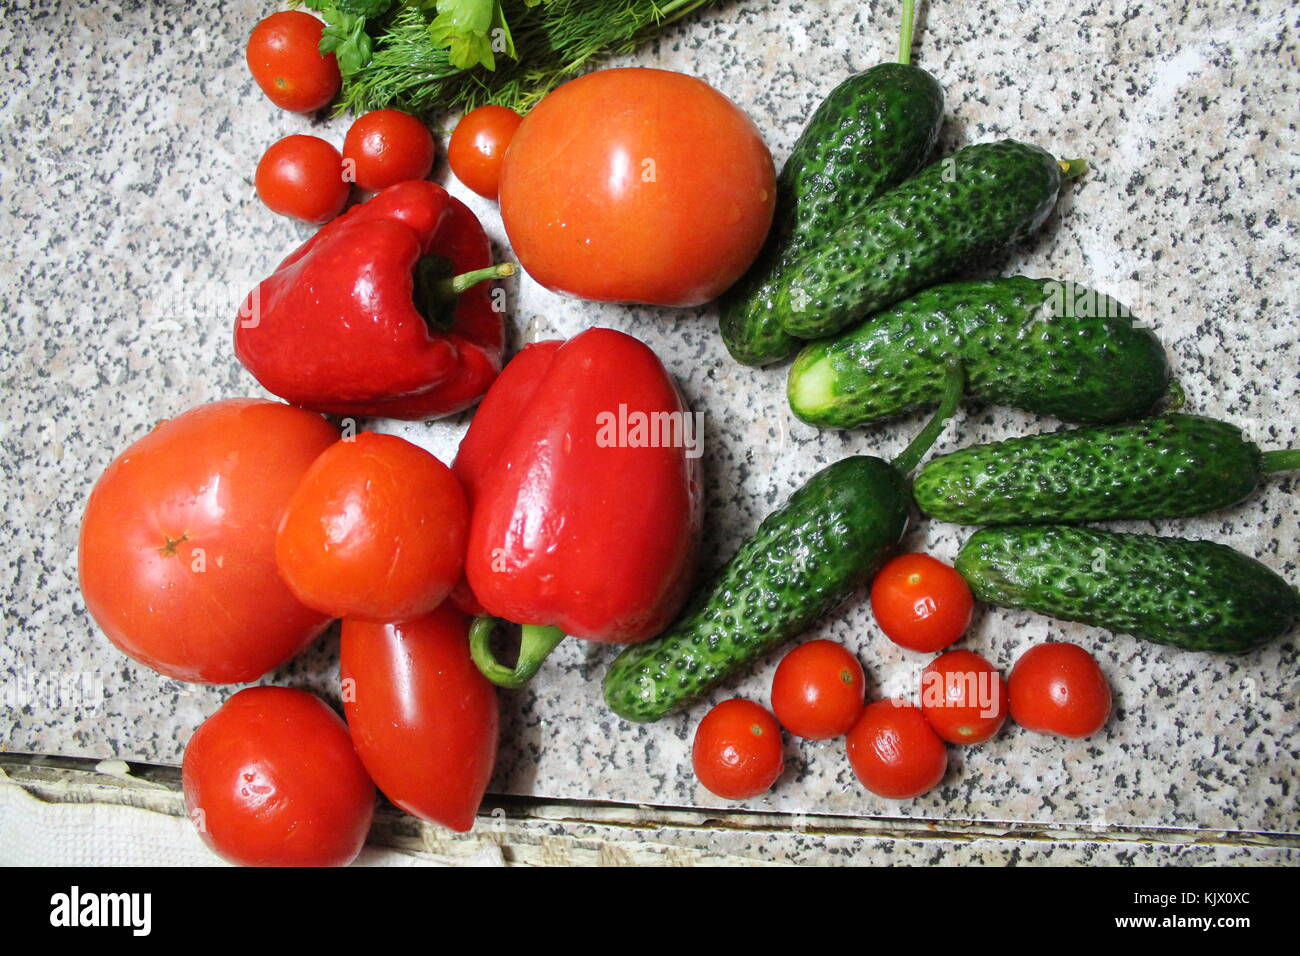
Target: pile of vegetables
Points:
(220, 544)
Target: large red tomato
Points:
(272, 779)
(423, 718)
(636, 185)
(177, 554)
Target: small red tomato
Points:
(963, 697)
(272, 779)
(302, 177)
(1058, 688)
(478, 145)
(284, 57)
(895, 752)
(818, 690)
(738, 752)
(423, 718)
(387, 147)
(921, 603)
(375, 530)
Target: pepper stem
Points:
(434, 292)
(1072, 168)
(905, 32)
(1284, 459)
(535, 643)
(954, 386)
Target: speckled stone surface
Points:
(128, 137)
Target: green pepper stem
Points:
(905, 32)
(1072, 168)
(954, 385)
(535, 643)
(450, 288)
(1284, 459)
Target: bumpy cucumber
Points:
(829, 538)
(872, 132)
(953, 213)
(1166, 467)
(1197, 595)
(1043, 345)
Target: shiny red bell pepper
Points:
(583, 475)
(383, 312)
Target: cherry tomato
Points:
(387, 147)
(818, 690)
(284, 57)
(177, 553)
(376, 530)
(637, 185)
(895, 753)
(478, 147)
(1058, 688)
(963, 697)
(272, 779)
(302, 177)
(738, 751)
(423, 718)
(921, 603)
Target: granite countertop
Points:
(128, 137)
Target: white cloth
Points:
(36, 833)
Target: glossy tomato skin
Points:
(302, 177)
(375, 530)
(1059, 688)
(737, 752)
(272, 779)
(921, 603)
(637, 185)
(284, 57)
(963, 697)
(894, 751)
(423, 718)
(387, 147)
(818, 690)
(477, 147)
(177, 550)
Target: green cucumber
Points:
(873, 131)
(954, 213)
(1044, 345)
(828, 539)
(1197, 595)
(1167, 467)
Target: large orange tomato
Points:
(177, 555)
(637, 185)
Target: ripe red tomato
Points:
(963, 697)
(895, 753)
(302, 177)
(818, 690)
(921, 603)
(284, 57)
(387, 147)
(376, 530)
(1058, 688)
(738, 751)
(478, 147)
(423, 718)
(177, 553)
(636, 185)
(272, 779)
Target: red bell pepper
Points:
(582, 471)
(383, 312)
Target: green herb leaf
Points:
(345, 36)
(472, 31)
(364, 8)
